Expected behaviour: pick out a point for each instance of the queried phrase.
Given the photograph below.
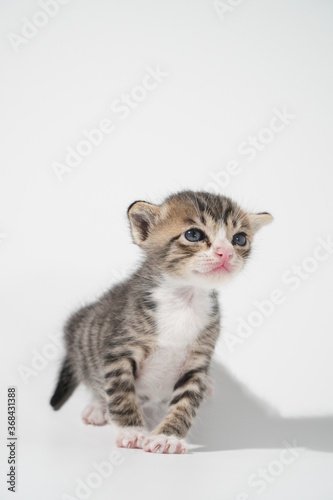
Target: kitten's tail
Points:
(67, 383)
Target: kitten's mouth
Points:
(215, 270)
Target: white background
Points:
(63, 243)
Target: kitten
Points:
(145, 347)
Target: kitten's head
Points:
(196, 237)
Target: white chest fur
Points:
(182, 313)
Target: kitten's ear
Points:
(143, 216)
(259, 220)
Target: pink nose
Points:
(224, 253)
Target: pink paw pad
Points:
(164, 444)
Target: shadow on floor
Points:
(233, 418)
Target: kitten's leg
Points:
(187, 395)
(121, 400)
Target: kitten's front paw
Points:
(164, 444)
(131, 437)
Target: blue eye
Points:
(194, 235)
(239, 239)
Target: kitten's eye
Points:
(239, 239)
(194, 235)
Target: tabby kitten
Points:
(146, 345)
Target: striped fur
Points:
(150, 339)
